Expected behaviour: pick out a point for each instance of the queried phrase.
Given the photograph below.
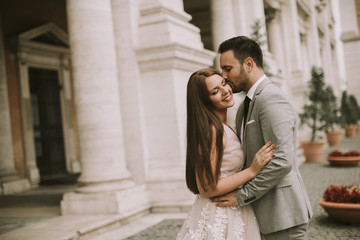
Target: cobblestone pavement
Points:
(317, 177)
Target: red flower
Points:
(342, 194)
(338, 153)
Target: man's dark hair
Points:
(243, 47)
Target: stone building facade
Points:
(98, 87)
(349, 22)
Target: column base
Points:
(170, 196)
(75, 166)
(124, 202)
(34, 176)
(13, 184)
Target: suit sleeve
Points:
(276, 123)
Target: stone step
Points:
(66, 228)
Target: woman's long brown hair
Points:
(200, 119)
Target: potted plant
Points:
(313, 116)
(355, 106)
(342, 203)
(342, 158)
(348, 115)
(332, 119)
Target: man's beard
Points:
(242, 83)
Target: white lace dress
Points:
(206, 221)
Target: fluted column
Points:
(6, 149)
(293, 35)
(106, 186)
(223, 25)
(275, 34)
(125, 29)
(240, 20)
(328, 65)
(9, 180)
(96, 91)
(275, 44)
(294, 72)
(350, 37)
(314, 44)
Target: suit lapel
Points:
(257, 92)
(251, 107)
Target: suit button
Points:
(249, 199)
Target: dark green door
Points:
(47, 122)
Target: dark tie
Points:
(246, 109)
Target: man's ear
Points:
(249, 64)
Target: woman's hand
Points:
(262, 157)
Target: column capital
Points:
(272, 14)
(303, 37)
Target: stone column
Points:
(275, 34)
(250, 11)
(96, 91)
(292, 50)
(293, 35)
(245, 14)
(222, 24)
(6, 149)
(240, 19)
(275, 42)
(222, 21)
(166, 63)
(9, 180)
(350, 37)
(314, 44)
(328, 65)
(105, 187)
(125, 17)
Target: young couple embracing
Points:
(246, 180)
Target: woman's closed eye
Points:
(214, 91)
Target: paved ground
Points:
(39, 204)
(317, 177)
(42, 204)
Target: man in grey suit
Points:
(277, 194)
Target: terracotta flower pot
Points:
(334, 137)
(350, 131)
(313, 151)
(344, 212)
(344, 160)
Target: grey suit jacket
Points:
(277, 194)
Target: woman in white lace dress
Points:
(214, 162)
